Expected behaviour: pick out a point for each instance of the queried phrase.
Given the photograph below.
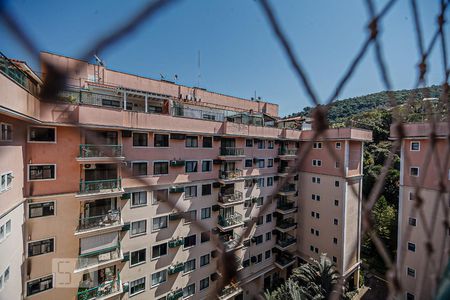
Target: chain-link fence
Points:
(55, 80)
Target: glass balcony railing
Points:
(93, 186)
(284, 260)
(285, 151)
(285, 241)
(232, 174)
(285, 205)
(288, 188)
(230, 241)
(112, 218)
(285, 224)
(231, 151)
(107, 288)
(230, 198)
(89, 151)
(230, 220)
(98, 257)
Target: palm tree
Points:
(287, 291)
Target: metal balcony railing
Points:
(283, 260)
(176, 268)
(288, 188)
(284, 169)
(98, 257)
(284, 224)
(230, 198)
(100, 185)
(112, 218)
(228, 290)
(88, 151)
(230, 241)
(231, 220)
(285, 151)
(286, 241)
(107, 288)
(233, 174)
(285, 205)
(231, 151)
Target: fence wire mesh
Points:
(55, 81)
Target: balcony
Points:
(111, 187)
(229, 291)
(102, 223)
(231, 241)
(98, 258)
(287, 190)
(176, 268)
(175, 243)
(287, 154)
(284, 242)
(100, 153)
(105, 290)
(286, 207)
(175, 295)
(229, 176)
(231, 199)
(230, 222)
(283, 260)
(231, 153)
(284, 171)
(286, 225)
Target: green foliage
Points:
(385, 217)
(287, 291)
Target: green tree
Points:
(287, 291)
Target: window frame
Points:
(203, 142)
(210, 165)
(195, 170)
(132, 235)
(139, 262)
(7, 187)
(202, 263)
(164, 271)
(159, 245)
(140, 132)
(411, 146)
(206, 209)
(40, 240)
(193, 266)
(40, 280)
(1, 131)
(160, 162)
(410, 171)
(54, 209)
(191, 137)
(140, 291)
(194, 187)
(41, 142)
(161, 134)
(210, 189)
(44, 164)
(160, 217)
(190, 246)
(139, 162)
(140, 204)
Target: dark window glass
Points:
(139, 168)
(42, 134)
(43, 209)
(190, 241)
(140, 139)
(207, 142)
(41, 247)
(206, 189)
(137, 257)
(39, 285)
(161, 140)
(160, 168)
(42, 172)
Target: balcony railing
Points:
(176, 268)
(233, 174)
(89, 151)
(8, 68)
(231, 151)
(230, 198)
(107, 288)
(284, 170)
(175, 294)
(230, 241)
(285, 151)
(287, 240)
(100, 185)
(229, 290)
(112, 218)
(284, 224)
(288, 188)
(98, 257)
(231, 220)
(284, 260)
(285, 205)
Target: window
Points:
(335, 221)
(259, 201)
(337, 164)
(409, 296)
(336, 183)
(338, 145)
(246, 263)
(414, 171)
(161, 140)
(412, 196)
(204, 283)
(261, 144)
(189, 266)
(190, 216)
(39, 285)
(259, 258)
(415, 146)
(138, 198)
(190, 191)
(137, 286)
(261, 163)
(258, 239)
(317, 162)
(316, 250)
(248, 143)
(268, 236)
(159, 277)
(191, 142)
(311, 248)
(159, 250)
(247, 203)
(207, 166)
(42, 134)
(334, 259)
(334, 240)
(412, 221)
(269, 181)
(206, 189)
(249, 163)
(315, 197)
(6, 181)
(41, 247)
(317, 145)
(41, 172)
(205, 213)
(139, 168)
(137, 257)
(205, 236)
(161, 168)
(160, 196)
(5, 132)
(140, 139)
(248, 183)
(189, 290)
(411, 247)
(43, 209)
(271, 144)
(317, 232)
(159, 223)
(336, 202)
(260, 182)
(190, 241)
(191, 166)
(410, 272)
(316, 180)
(138, 227)
(204, 260)
(259, 220)
(268, 254)
(317, 215)
(207, 142)
(268, 218)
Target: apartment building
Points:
(427, 181)
(123, 183)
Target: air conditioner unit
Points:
(89, 166)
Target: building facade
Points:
(122, 185)
(424, 177)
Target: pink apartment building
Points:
(90, 181)
(420, 180)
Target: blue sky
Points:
(239, 54)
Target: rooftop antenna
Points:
(99, 61)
